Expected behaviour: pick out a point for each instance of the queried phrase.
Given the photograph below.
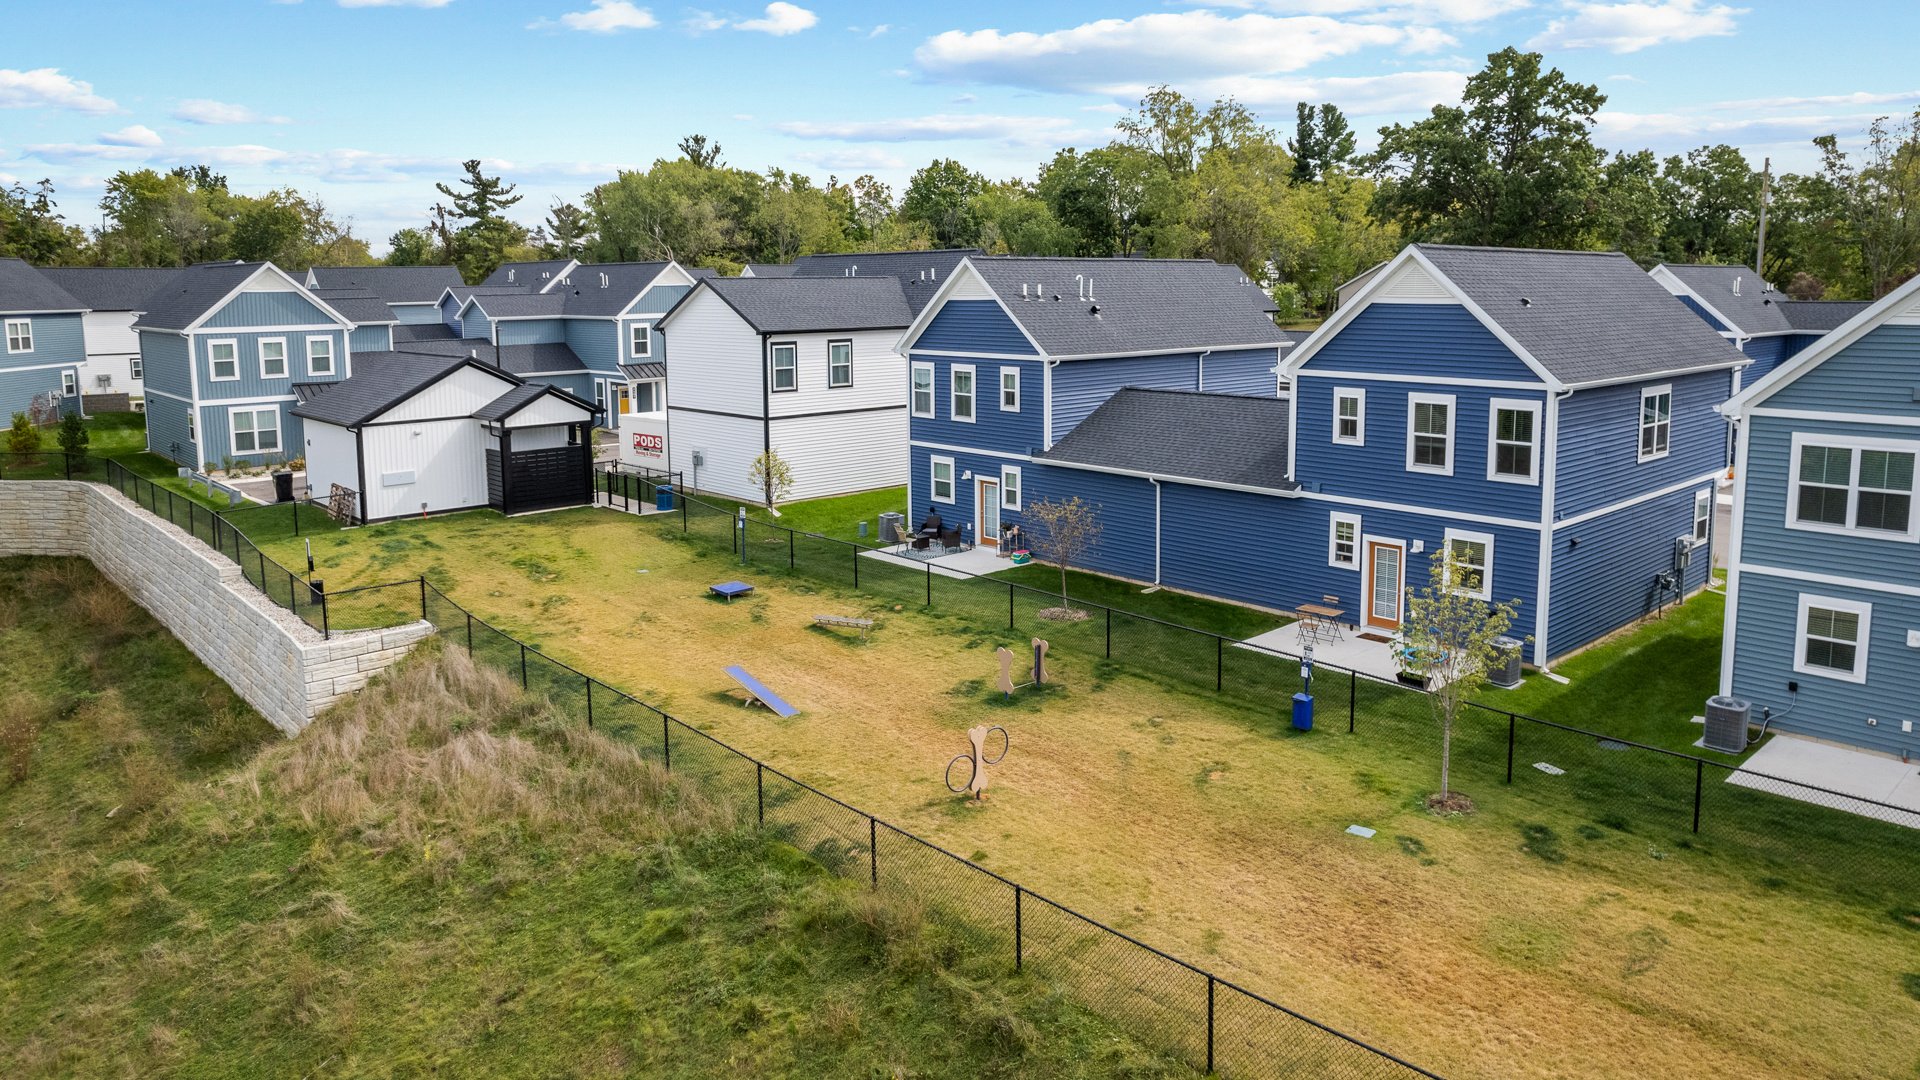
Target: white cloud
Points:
(132, 135)
(781, 19)
(46, 88)
(852, 159)
(1626, 28)
(59, 153)
(604, 17)
(1859, 100)
(207, 111)
(927, 128)
(1112, 108)
(1360, 95)
(965, 99)
(702, 22)
(1441, 11)
(878, 30)
(1149, 49)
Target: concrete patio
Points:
(1347, 649)
(976, 561)
(1892, 786)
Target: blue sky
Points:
(367, 102)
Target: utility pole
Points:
(1760, 245)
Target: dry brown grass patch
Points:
(22, 715)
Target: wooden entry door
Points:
(987, 514)
(1385, 576)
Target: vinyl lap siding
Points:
(57, 339)
(1858, 377)
(834, 455)
(717, 359)
(1604, 568)
(973, 326)
(1081, 386)
(268, 309)
(474, 324)
(1767, 353)
(1600, 441)
(1764, 537)
(728, 444)
(1429, 340)
(1125, 512)
(165, 363)
(993, 429)
(1249, 372)
(532, 331)
(1695, 307)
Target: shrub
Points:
(72, 436)
(23, 437)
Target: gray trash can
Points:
(1506, 665)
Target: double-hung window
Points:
(1009, 389)
(135, 369)
(70, 384)
(786, 367)
(1513, 441)
(923, 390)
(1343, 541)
(1702, 515)
(1471, 557)
(942, 476)
(1430, 433)
(1009, 487)
(320, 356)
(273, 358)
(1853, 485)
(640, 341)
(839, 363)
(1832, 638)
(19, 335)
(1656, 421)
(255, 431)
(961, 392)
(223, 360)
(1350, 416)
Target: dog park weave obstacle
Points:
(759, 694)
(1007, 685)
(848, 621)
(977, 760)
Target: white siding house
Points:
(804, 367)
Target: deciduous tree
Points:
(1449, 636)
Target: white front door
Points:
(988, 521)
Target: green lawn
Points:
(440, 877)
(1642, 685)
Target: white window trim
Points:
(70, 377)
(953, 394)
(1453, 415)
(1485, 592)
(26, 333)
(1855, 444)
(233, 435)
(333, 360)
(1002, 391)
(1360, 417)
(1640, 425)
(1334, 521)
(658, 393)
(1010, 490)
(633, 341)
(135, 369)
(1832, 603)
(193, 427)
(1494, 407)
(286, 358)
(1707, 494)
(832, 385)
(212, 372)
(933, 482)
(932, 395)
(773, 366)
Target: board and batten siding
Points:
(415, 314)
(57, 339)
(532, 331)
(475, 324)
(595, 342)
(18, 388)
(110, 333)
(1604, 568)
(973, 326)
(374, 338)
(267, 308)
(167, 431)
(216, 431)
(332, 458)
(836, 455)
(1599, 445)
(164, 356)
(460, 394)
(250, 384)
(448, 314)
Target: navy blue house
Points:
(1763, 323)
(1012, 353)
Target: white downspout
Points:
(1046, 403)
(1200, 372)
(1549, 464)
(1156, 529)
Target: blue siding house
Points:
(1011, 354)
(229, 348)
(44, 345)
(1823, 589)
(411, 293)
(1763, 323)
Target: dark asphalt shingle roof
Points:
(504, 405)
(361, 307)
(110, 288)
(1754, 310)
(771, 269)
(517, 359)
(1590, 316)
(394, 284)
(433, 331)
(921, 273)
(24, 289)
(800, 305)
(380, 381)
(190, 292)
(1219, 438)
(1820, 316)
(625, 282)
(639, 372)
(526, 275)
(1146, 305)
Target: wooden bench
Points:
(848, 621)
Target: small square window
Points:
(1833, 638)
(319, 356)
(223, 360)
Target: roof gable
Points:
(195, 295)
(25, 290)
(393, 284)
(1736, 295)
(1901, 307)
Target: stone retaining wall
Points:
(281, 666)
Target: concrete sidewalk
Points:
(1853, 775)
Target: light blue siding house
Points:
(229, 348)
(411, 293)
(1760, 321)
(1823, 608)
(1011, 354)
(44, 346)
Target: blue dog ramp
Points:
(760, 692)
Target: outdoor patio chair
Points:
(950, 539)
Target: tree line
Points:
(1514, 163)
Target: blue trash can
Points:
(1303, 712)
(663, 497)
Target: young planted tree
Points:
(73, 436)
(1449, 633)
(23, 437)
(772, 475)
(1062, 531)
